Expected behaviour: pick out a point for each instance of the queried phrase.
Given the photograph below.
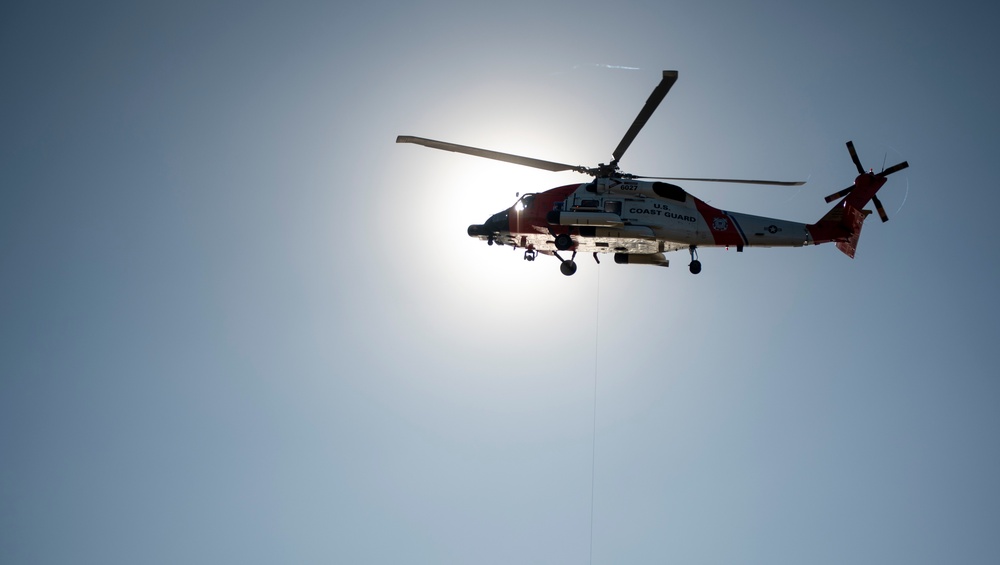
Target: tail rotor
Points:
(866, 178)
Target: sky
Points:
(238, 323)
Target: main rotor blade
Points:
(495, 155)
(736, 181)
(893, 169)
(668, 80)
(854, 157)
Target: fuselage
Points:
(612, 215)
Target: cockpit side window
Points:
(524, 202)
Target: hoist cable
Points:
(593, 445)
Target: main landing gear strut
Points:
(695, 266)
(563, 242)
(566, 266)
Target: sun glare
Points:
(466, 276)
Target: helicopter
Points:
(639, 218)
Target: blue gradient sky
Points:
(239, 324)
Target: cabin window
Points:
(613, 206)
(589, 204)
(670, 191)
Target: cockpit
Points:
(524, 202)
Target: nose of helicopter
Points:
(497, 223)
(478, 230)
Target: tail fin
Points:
(842, 224)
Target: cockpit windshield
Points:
(524, 202)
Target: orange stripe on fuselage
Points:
(723, 228)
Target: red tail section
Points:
(842, 224)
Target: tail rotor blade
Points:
(893, 169)
(854, 157)
(881, 210)
(840, 194)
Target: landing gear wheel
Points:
(489, 240)
(567, 268)
(563, 242)
(695, 265)
(530, 254)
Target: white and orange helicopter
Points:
(639, 218)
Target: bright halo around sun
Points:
(469, 280)
(466, 280)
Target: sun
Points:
(464, 275)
